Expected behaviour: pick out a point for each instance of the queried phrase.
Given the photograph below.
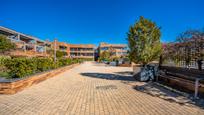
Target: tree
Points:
(60, 54)
(144, 41)
(192, 41)
(105, 55)
(5, 44)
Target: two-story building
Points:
(117, 50)
(82, 51)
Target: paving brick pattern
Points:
(73, 93)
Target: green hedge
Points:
(3, 69)
(21, 67)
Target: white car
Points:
(113, 63)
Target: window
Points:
(104, 48)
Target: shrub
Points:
(3, 69)
(3, 59)
(64, 61)
(60, 54)
(44, 64)
(21, 67)
(5, 44)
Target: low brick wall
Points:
(14, 86)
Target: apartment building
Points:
(82, 51)
(85, 51)
(26, 45)
(117, 50)
(30, 46)
(61, 46)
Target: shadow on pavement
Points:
(150, 88)
(169, 94)
(125, 73)
(110, 76)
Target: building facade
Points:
(30, 46)
(84, 51)
(117, 50)
(60, 46)
(26, 45)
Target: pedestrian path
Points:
(89, 89)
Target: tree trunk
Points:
(160, 61)
(199, 62)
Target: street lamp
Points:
(55, 50)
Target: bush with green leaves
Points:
(21, 67)
(3, 59)
(5, 44)
(3, 69)
(64, 61)
(44, 64)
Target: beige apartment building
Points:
(60, 46)
(117, 50)
(85, 51)
(82, 51)
(30, 46)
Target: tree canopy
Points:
(144, 41)
(188, 47)
(60, 54)
(105, 56)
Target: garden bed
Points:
(12, 86)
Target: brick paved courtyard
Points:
(90, 89)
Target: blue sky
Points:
(94, 21)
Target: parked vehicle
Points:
(113, 63)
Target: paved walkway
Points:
(90, 89)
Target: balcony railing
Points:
(82, 51)
(81, 56)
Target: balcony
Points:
(82, 51)
(82, 56)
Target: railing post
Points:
(18, 37)
(196, 88)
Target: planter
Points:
(136, 71)
(13, 86)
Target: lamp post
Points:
(55, 46)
